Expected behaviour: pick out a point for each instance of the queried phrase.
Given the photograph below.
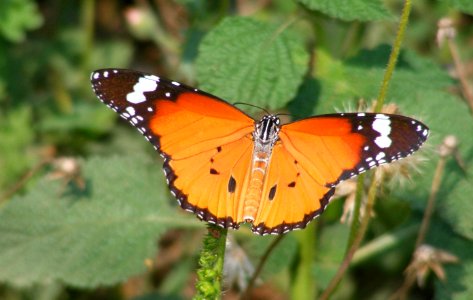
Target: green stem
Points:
(385, 243)
(358, 231)
(356, 243)
(304, 286)
(259, 268)
(355, 224)
(210, 273)
(394, 55)
(87, 14)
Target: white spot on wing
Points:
(130, 110)
(425, 132)
(382, 124)
(152, 77)
(380, 156)
(143, 85)
(383, 141)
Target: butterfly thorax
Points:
(265, 137)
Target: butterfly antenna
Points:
(283, 114)
(252, 105)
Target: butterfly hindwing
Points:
(206, 142)
(291, 196)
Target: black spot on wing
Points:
(231, 185)
(272, 192)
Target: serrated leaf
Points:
(453, 199)
(97, 236)
(18, 16)
(248, 61)
(360, 10)
(465, 6)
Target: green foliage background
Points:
(114, 235)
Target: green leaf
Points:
(465, 6)
(281, 256)
(349, 10)
(331, 251)
(360, 78)
(247, 61)
(459, 276)
(447, 115)
(97, 236)
(18, 16)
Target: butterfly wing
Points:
(206, 143)
(315, 154)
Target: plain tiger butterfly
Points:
(228, 168)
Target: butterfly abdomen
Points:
(265, 136)
(255, 187)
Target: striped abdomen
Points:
(255, 186)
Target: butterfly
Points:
(228, 168)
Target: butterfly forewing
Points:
(344, 145)
(206, 142)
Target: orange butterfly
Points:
(228, 168)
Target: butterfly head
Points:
(267, 130)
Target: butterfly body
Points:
(265, 136)
(228, 168)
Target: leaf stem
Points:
(430, 203)
(87, 14)
(394, 55)
(373, 187)
(355, 224)
(356, 243)
(259, 268)
(210, 273)
(410, 277)
(304, 285)
(466, 88)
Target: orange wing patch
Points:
(309, 158)
(185, 128)
(292, 197)
(207, 147)
(324, 146)
(212, 183)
